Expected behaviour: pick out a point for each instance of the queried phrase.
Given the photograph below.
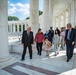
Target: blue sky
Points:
(20, 8)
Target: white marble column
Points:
(34, 15)
(64, 17)
(21, 27)
(50, 13)
(62, 20)
(13, 28)
(69, 9)
(17, 27)
(4, 52)
(54, 23)
(10, 28)
(72, 13)
(59, 22)
(46, 25)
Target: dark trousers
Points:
(69, 49)
(24, 51)
(39, 47)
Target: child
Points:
(56, 42)
(47, 45)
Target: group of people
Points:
(50, 38)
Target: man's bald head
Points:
(28, 28)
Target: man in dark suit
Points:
(51, 34)
(69, 40)
(27, 41)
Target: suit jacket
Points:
(27, 40)
(72, 35)
(75, 35)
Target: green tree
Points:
(13, 18)
(9, 18)
(27, 18)
(40, 12)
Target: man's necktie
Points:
(28, 33)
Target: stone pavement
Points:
(39, 65)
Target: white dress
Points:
(56, 42)
(47, 45)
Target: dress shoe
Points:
(55, 54)
(30, 57)
(70, 58)
(38, 53)
(67, 60)
(22, 59)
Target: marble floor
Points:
(39, 65)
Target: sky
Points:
(20, 8)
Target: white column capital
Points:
(17, 27)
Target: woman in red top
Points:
(39, 37)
